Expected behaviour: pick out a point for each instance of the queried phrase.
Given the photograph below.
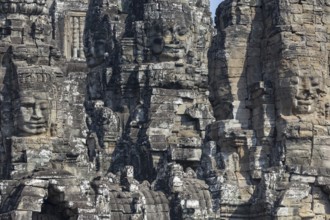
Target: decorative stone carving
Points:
(98, 34)
(22, 7)
(33, 115)
(307, 92)
(134, 137)
(33, 106)
(74, 29)
(175, 60)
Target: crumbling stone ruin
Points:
(135, 109)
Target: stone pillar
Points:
(81, 33)
(76, 36)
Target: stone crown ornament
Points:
(36, 78)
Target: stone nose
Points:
(89, 51)
(37, 114)
(307, 87)
(306, 84)
(175, 39)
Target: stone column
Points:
(81, 33)
(75, 37)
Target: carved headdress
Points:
(34, 96)
(35, 78)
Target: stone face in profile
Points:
(33, 113)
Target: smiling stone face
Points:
(33, 113)
(175, 37)
(169, 37)
(170, 41)
(303, 94)
(309, 90)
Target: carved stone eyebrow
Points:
(27, 100)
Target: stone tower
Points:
(269, 92)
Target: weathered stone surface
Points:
(134, 109)
(269, 70)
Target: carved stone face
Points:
(95, 53)
(98, 104)
(97, 38)
(129, 171)
(308, 90)
(33, 114)
(170, 41)
(110, 121)
(175, 180)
